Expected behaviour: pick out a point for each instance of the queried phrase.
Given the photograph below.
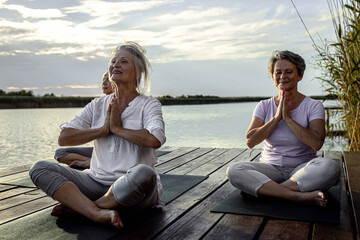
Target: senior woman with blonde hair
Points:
(292, 128)
(126, 127)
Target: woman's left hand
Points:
(115, 116)
(285, 107)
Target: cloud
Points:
(191, 15)
(280, 10)
(13, 88)
(109, 13)
(193, 33)
(54, 87)
(33, 13)
(30, 88)
(83, 86)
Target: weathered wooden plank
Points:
(174, 154)
(4, 188)
(232, 226)
(190, 166)
(170, 165)
(197, 222)
(21, 198)
(344, 230)
(284, 229)
(10, 171)
(247, 231)
(24, 209)
(14, 191)
(156, 222)
(14, 176)
(352, 163)
(220, 160)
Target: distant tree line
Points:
(23, 93)
(26, 99)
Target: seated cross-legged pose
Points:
(292, 127)
(79, 157)
(126, 128)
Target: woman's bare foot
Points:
(80, 164)
(110, 217)
(61, 210)
(315, 197)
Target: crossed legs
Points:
(77, 192)
(304, 183)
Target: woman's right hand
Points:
(279, 112)
(106, 127)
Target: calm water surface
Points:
(30, 135)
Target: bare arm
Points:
(73, 137)
(313, 136)
(258, 131)
(139, 137)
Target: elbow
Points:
(155, 143)
(318, 144)
(317, 147)
(150, 141)
(249, 143)
(61, 142)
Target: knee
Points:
(333, 168)
(143, 174)
(38, 169)
(60, 153)
(330, 167)
(231, 171)
(236, 170)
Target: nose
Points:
(116, 63)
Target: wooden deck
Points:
(189, 216)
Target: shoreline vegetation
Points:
(26, 100)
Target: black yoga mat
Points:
(43, 226)
(175, 185)
(281, 209)
(160, 153)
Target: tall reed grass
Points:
(339, 62)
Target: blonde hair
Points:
(142, 64)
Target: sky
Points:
(195, 47)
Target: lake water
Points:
(30, 135)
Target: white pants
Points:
(317, 174)
(138, 187)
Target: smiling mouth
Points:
(116, 72)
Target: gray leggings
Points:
(84, 151)
(138, 187)
(317, 174)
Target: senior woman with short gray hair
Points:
(126, 128)
(292, 127)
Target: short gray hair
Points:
(296, 59)
(142, 64)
